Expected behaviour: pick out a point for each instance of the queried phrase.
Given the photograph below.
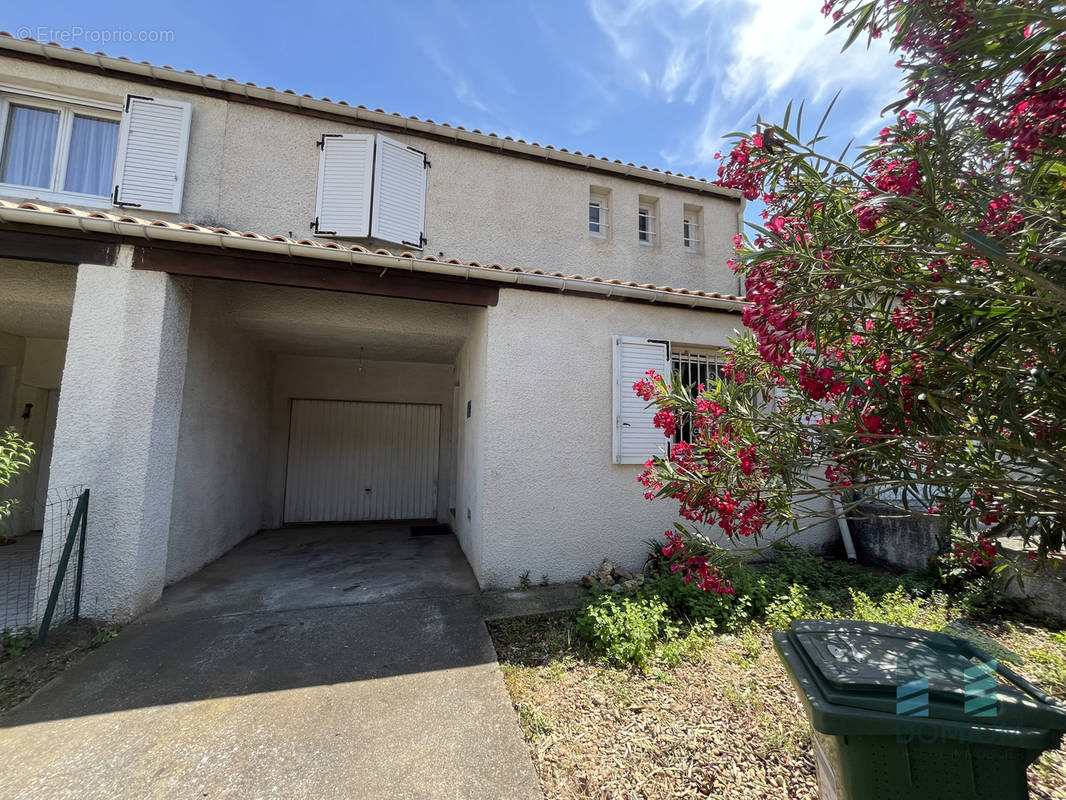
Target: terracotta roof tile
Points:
(126, 219)
(76, 62)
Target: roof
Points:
(101, 62)
(100, 222)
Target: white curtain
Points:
(29, 146)
(91, 161)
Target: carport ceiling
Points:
(36, 298)
(341, 325)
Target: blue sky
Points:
(656, 82)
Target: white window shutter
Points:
(342, 206)
(636, 439)
(152, 145)
(399, 193)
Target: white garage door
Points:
(361, 461)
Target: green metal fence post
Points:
(81, 554)
(61, 571)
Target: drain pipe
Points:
(845, 531)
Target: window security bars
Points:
(692, 370)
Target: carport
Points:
(212, 390)
(303, 406)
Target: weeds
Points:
(14, 642)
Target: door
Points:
(351, 461)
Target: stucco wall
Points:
(320, 378)
(468, 521)
(255, 168)
(117, 431)
(220, 481)
(553, 501)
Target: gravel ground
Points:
(723, 723)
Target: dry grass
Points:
(723, 723)
(68, 644)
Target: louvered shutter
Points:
(152, 146)
(399, 193)
(636, 439)
(342, 207)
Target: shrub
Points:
(15, 456)
(624, 630)
(785, 608)
(14, 642)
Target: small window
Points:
(691, 229)
(647, 221)
(693, 368)
(58, 149)
(599, 209)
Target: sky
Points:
(655, 82)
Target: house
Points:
(225, 308)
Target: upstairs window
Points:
(647, 221)
(65, 151)
(371, 187)
(599, 209)
(58, 149)
(691, 227)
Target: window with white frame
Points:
(599, 212)
(691, 227)
(636, 439)
(647, 221)
(64, 150)
(57, 148)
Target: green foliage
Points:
(895, 608)
(783, 609)
(624, 630)
(14, 643)
(15, 457)
(103, 636)
(976, 591)
(670, 619)
(532, 721)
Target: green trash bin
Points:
(901, 713)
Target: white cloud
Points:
(733, 59)
(779, 42)
(461, 87)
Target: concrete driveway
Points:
(333, 662)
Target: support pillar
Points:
(117, 433)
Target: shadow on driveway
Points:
(267, 674)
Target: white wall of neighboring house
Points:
(255, 168)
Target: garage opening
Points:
(354, 461)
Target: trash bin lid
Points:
(868, 656)
(865, 664)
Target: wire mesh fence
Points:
(28, 567)
(18, 581)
